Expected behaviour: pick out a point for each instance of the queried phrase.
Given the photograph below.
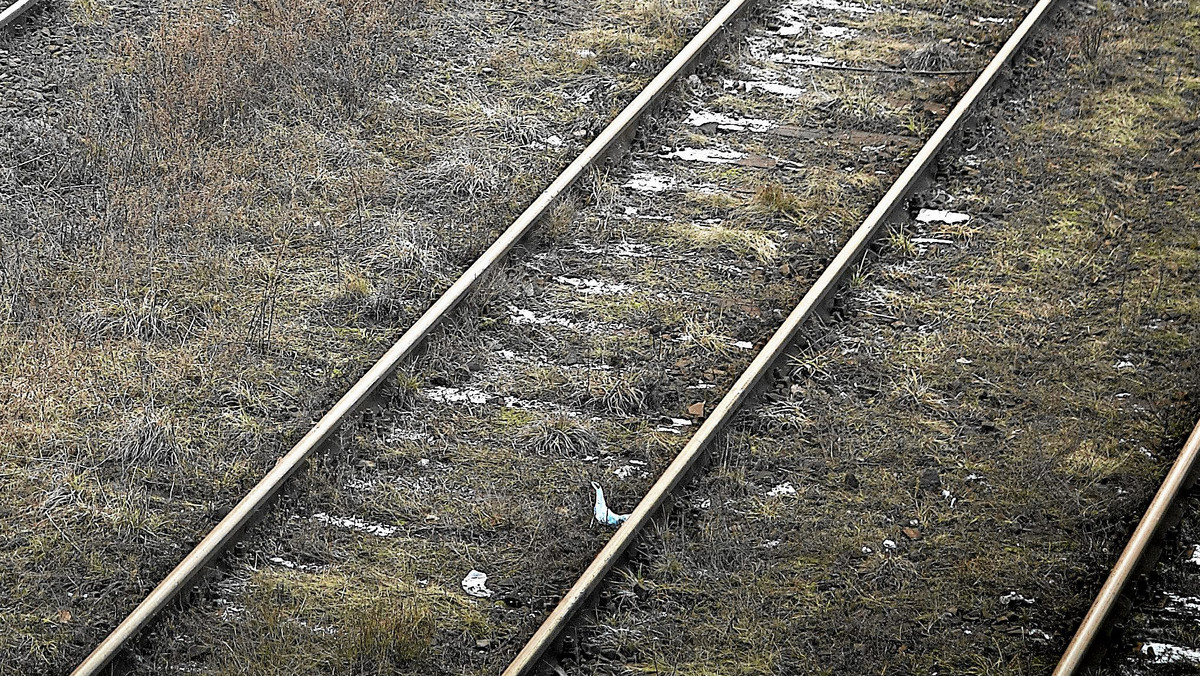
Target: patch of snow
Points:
(405, 435)
(292, 565)
(455, 395)
(1166, 653)
(776, 88)
(354, 523)
(700, 118)
(360, 485)
(1195, 555)
(633, 468)
(647, 182)
(941, 216)
(519, 316)
(833, 32)
(833, 5)
(800, 59)
(706, 155)
(1187, 603)
(327, 629)
(594, 286)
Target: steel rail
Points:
(227, 530)
(15, 10)
(1077, 651)
(843, 263)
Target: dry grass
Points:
(233, 213)
(993, 370)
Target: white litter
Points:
(890, 544)
(1195, 555)
(601, 511)
(475, 584)
(941, 216)
(1014, 597)
(1123, 365)
(745, 345)
(785, 488)
(963, 360)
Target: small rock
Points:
(911, 533)
(930, 479)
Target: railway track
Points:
(1137, 557)
(13, 12)
(577, 403)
